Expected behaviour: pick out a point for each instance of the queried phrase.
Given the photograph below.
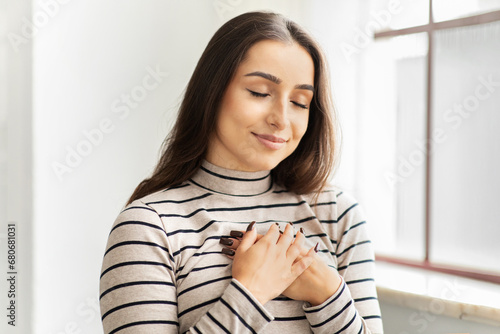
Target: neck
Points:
(232, 182)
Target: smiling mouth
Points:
(270, 141)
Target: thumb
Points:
(248, 239)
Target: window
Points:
(429, 137)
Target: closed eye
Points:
(257, 94)
(303, 106)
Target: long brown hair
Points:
(307, 169)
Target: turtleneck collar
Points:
(232, 182)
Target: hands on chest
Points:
(278, 263)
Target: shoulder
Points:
(163, 200)
(335, 203)
(347, 203)
(176, 193)
(334, 195)
(158, 206)
(144, 209)
(136, 216)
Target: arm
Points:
(354, 306)
(137, 284)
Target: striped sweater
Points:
(163, 270)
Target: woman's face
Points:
(265, 108)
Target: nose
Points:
(278, 115)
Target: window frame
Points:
(429, 29)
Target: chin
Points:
(265, 164)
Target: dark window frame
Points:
(430, 28)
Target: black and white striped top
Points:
(163, 270)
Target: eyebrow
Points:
(277, 80)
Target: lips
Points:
(270, 141)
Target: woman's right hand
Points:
(268, 266)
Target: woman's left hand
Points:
(315, 285)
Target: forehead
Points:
(288, 61)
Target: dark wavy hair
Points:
(307, 169)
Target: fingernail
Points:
(228, 251)
(279, 228)
(236, 234)
(251, 226)
(316, 247)
(302, 231)
(226, 241)
(290, 223)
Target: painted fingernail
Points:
(251, 226)
(290, 223)
(236, 234)
(228, 251)
(279, 228)
(316, 247)
(302, 231)
(226, 241)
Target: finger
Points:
(228, 252)
(300, 238)
(293, 253)
(272, 235)
(237, 234)
(281, 232)
(248, 239)
(230, 242)
(235, 245)
(297, 250)
(300, 244)
(305, 262)
(286, 238)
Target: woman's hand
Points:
(315, 285)
(268, 265)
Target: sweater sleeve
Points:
(354, 308)
(138, 286)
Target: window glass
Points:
(465, 209)
(398, 14)
(444, 10)
(392, 132)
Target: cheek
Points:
(300, 126)
(229, 114)
(242, 112)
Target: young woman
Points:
(237, 231)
